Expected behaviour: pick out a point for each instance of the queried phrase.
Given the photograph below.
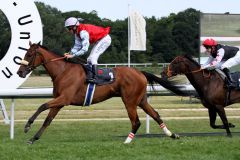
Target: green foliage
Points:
(166, 37)
(5, 33)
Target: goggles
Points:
(208, 47)
(70, 28)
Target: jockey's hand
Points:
(211, 68)
(203, 67)
(67, 55)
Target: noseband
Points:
(30, 64)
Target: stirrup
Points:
(230, 85)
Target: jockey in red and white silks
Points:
(86, 34)
(220, 56)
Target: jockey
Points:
(222, 57)
(86, 34)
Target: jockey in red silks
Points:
(222, 57)
(86, 34)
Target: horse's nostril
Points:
(19, 72)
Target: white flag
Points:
(137, 31)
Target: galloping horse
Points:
(69, 88)
(210, 87)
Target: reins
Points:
(194, 71)
(53, 60)
(203, 71)
(198, 70)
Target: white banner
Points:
(137, 31)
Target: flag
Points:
(137, 31)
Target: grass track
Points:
(104, 141)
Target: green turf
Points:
(104, 140)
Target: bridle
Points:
(30, 65)
(169, 71)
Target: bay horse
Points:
(69, 88)
(210, 86)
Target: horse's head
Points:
(182, 65)
(31, 60)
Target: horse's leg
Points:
(154, 114)
(133, 116)
(212, 115)
(42, 108)
(51, 115)
(59, 101)
(221, 112)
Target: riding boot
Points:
(91, 76)
(229, 78)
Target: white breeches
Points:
(98, 49)
(232, 61)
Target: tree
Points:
(5, 33)
(166, 37)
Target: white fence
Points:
(47, 93)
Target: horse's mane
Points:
(46, 48)
(190, 58)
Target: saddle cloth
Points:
(236, 79)
(104, 76)
(235, 76)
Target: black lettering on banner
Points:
(22, 48)
(27, 35)
(20, 20)
(9, 74)
(17, 58)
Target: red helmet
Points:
(209, 42)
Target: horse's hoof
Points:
(229, 135)
(231, 125)
(26, 129)
(175, 136)
(30, 142)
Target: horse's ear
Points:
(30, 43)
(39, 43)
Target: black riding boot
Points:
(91, 75)
(229, 78)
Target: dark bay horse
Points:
(210, 87)
(69, 88)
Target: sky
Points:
(118, 9)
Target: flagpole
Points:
(129, 56)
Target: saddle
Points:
(235, 76)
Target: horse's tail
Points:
(152, 79)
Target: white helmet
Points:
(72, 21)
